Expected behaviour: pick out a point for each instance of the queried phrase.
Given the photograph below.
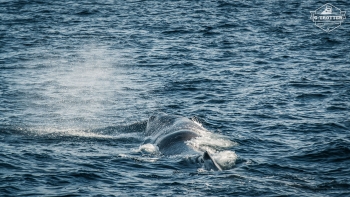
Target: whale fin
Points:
(209, 162)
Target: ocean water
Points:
(79, 79)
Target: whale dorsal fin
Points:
(209, 162)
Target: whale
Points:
(170, 133)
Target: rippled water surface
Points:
(78, 80)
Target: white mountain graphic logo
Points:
(328, 10)
(328, 17)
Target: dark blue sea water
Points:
(78, 80)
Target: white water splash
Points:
(217, 146)
(74, 132)
(60, 132)
(226, 159)
(149, 149)
(210, 142)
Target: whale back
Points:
(170, 133)
(174, 143)
(162, 124)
